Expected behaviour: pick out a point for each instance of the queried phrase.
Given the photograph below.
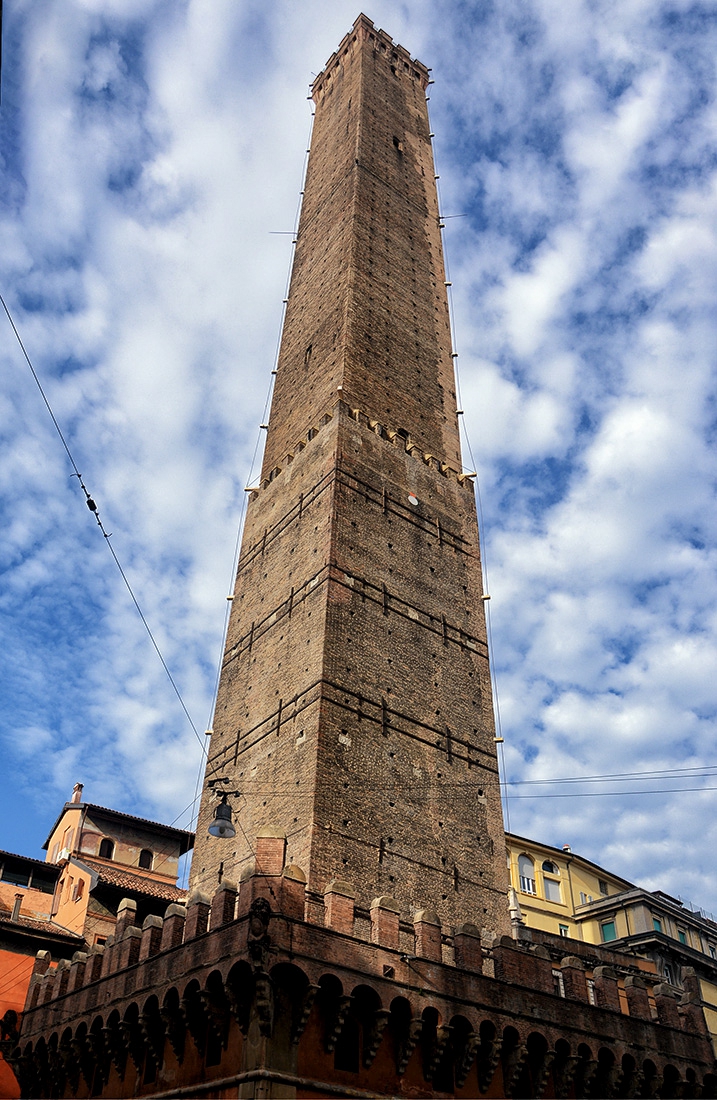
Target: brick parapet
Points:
(520, 993)
(574, 981)
(394, 436)
(364, 28)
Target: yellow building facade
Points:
(559, 893)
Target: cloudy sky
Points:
(151, 155)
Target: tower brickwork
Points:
(354, 716)
(354, 711)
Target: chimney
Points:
(16, 907)
(77, 793)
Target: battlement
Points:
(397, 437)
(397, 56)
(384, 999)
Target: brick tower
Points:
(354, 716)
(354, 712)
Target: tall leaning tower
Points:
(354, 711)
(354, 717)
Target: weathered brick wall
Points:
(273, 1005)
(367, 306)
(355, 709)
(408, 726)
(267, 713)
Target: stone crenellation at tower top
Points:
(354, 709)
(364, 28)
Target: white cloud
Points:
(148, 151)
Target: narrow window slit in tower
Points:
(301, 504)
(251, 636)
(384, 717)
(449, 745)
(263, 541)
(381, 850)
(455, 878)
(444, 624)
(385, 599)
(291, 601)
(278, 717)
(307, 355)
(384, 500)
(440, 532)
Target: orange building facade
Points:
(96, 858)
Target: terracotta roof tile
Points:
(117, 876)
(34, 924)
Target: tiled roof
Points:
(115, 875)
(33, 924)
(51, 867)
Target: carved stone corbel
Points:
(563, 1075)
(85, 1058)
(584, 1075)
(98, 1044)
(301, 1017)
(651, 1086)
(437, 1051)
(607, 1083)
(28, 1070)
(71, 1065)
(133, 1041)
(542, 1073)
(632, 1084)
(258, 940)
(216, 1014)
(465, 1059)
(489, 1053)
(153, 1029)
(513, 1067)
(408, 1044)
(115, 1052)
(374, 1035)
(264, 1002)
(196, 1018)
(337, 1025)
(239, 1008)
(175, 1025)
(56, 1072)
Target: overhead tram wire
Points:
(107, 536)
(275, 791)
(242, 515)
(479, 501)
(425, 788)
(93, 508)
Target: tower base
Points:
(241, 996)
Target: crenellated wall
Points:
(241, 995)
